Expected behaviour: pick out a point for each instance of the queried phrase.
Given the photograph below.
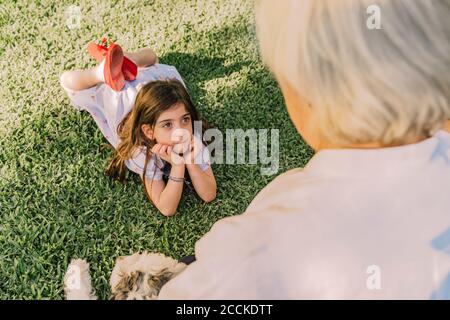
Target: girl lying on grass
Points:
(148, 117)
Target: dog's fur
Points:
(135, 277)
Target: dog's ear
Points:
(124, 265)
(128, 283)
(156, 281)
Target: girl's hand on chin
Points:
(166, 153)
(194, 149)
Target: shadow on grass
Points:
(197, 69)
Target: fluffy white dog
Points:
(135, 277)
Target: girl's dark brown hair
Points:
(153, 99)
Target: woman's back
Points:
(353, 224)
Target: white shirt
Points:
(108, 108)
(353, 224)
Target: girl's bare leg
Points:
(143, 58)
(83, 79)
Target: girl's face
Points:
(173, 127)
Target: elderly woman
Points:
(369, 215)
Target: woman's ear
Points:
(148, 131)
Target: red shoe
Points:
(98, 52)
(113, 67)
(129, 69)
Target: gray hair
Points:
(369, 85)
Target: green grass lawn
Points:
(55, 202)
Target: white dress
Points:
(109, 107)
